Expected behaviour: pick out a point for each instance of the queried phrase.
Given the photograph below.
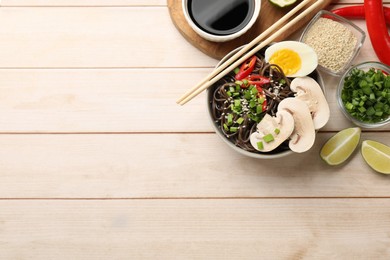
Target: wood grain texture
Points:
(115, 180)
(97, 37)
(196, 229)
(97, 100)
(115, 100)
(116, 2)
(172, 166)
(82, 3)
(269, 14)
(93, 37)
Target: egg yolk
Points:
(288, 60)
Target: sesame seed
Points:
(333, 42)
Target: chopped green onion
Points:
(233, 129)
(260, 145)
(259, 109)
(277, 131)
(240, 120)
(367, 90)
(236, 70)
(254, 91)
(349, 106)
(366, 95)
(268, 138)
(370, 111)
(225, 127)
(363, 83)
(378, 113)
(229, 119)
(238, 82)
(261, 100)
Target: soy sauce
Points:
(221, 17)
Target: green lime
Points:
(283, 3)
(377, 155)
(340, 146)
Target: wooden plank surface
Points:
(172, 166)
(97, 37)
(97, 100)
(114, 2)
(196, 229)
(93, 37)
(83, 3)
(114, 100)
(94, 166)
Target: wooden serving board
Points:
(269, 14)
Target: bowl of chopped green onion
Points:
(364, 94)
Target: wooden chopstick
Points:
(229, 66)
(246, 48)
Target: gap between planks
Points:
(122, 5)
(209, 198)
(155, 133)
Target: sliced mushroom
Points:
(272, 131)
(309, 91)
(302, 138)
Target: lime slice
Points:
(283, 3)
(340, 146)
(377, 155)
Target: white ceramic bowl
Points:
(258, 155)
(221, 38)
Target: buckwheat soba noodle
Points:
(237, 106)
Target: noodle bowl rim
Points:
(209, 93)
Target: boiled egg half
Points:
(296, 59)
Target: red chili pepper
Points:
(261, 94)
(258, 80)
(377, 29)
(246, 68)
(358, 12)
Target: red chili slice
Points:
(246, 68)
(261, 94)
(258, 80)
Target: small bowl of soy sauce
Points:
(221, 20)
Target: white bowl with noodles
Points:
(277, 153)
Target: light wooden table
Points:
(98, 162)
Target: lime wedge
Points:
(340, 146)
(283, 3)
(377, 155)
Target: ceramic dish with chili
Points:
(258, 110)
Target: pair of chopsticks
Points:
(232, 63)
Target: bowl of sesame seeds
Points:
(336, 40)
